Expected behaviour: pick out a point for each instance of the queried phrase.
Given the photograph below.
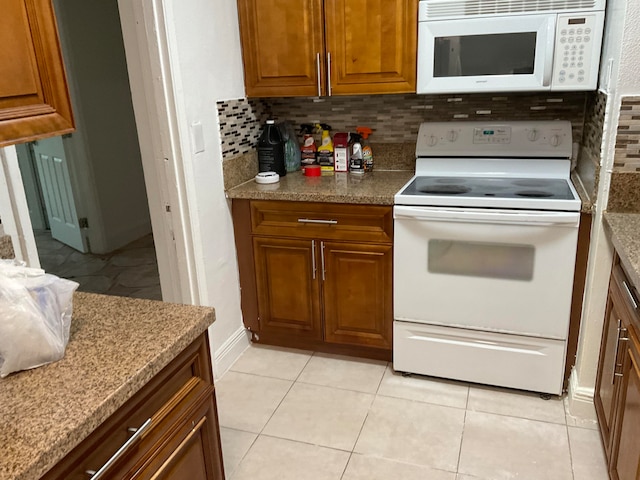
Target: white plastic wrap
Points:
(35, 317)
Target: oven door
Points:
(494, 270)
(486, 54)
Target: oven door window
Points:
(479, 55)
(477, 259)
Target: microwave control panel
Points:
(576, 58)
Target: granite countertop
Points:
(587, 203)
(6, 247)
(376, 188)
(116, 346)
(624, 230)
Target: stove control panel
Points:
(492, 135)
(541, 139)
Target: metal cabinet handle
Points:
(318, 74)
(322, 258)
(615, 354)
(329, 72)
(313, 257)
(121, 451)
(312, 220)
(630, 295)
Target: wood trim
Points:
(577, 298)
(384, 354)
(241, 213)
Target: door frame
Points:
(151, 76)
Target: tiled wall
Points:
(240, 124)
(588, 165)
(624, 195)
(627, 157)
(394, 118)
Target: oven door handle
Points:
(501, 217)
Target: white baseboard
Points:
(580, 401)
(229, 352)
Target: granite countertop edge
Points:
(624, 231)
(52, 447)
(377, 188)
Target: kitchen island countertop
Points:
(116, 346)
(624, 230)
(375, 188)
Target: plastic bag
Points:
(35, 317)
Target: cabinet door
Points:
(282, 47)
(287, 280)
(610, 352)
(357, 293)
(625, 462)
(372, 45)
(34, 100)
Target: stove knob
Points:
(532, 135)
(555, 140)
(452, 136)
(433, 140)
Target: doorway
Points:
(86, 191)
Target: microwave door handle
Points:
(548, 54)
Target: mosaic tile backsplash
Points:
(627, 156)
(393, 118)
(588, 165)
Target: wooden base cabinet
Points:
(357, 293)
(288, 287)
(617, 396)
(625, 451)
(317, 276)
(168, 430)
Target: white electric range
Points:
(484, 254)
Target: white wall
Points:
(205, 51)
(105, 154)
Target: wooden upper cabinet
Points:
(34, 99)
(330, 47)
(372, 45)
(282, 47)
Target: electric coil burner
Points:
(484, 251)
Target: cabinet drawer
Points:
(103, 443)
(630, 299)
(362, 223)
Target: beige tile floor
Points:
(291, 414)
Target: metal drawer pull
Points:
(630, 295)
(121, 451)
(322, 257)
(313, 257)
(312, 220)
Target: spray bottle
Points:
(367, 152)
(356, 163)
(308, 148)
(325, 150)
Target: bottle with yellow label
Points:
(325, 150)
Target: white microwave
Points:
(467, 46)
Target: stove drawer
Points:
(514, 361)
(331, 221)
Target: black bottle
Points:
(271, 150)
